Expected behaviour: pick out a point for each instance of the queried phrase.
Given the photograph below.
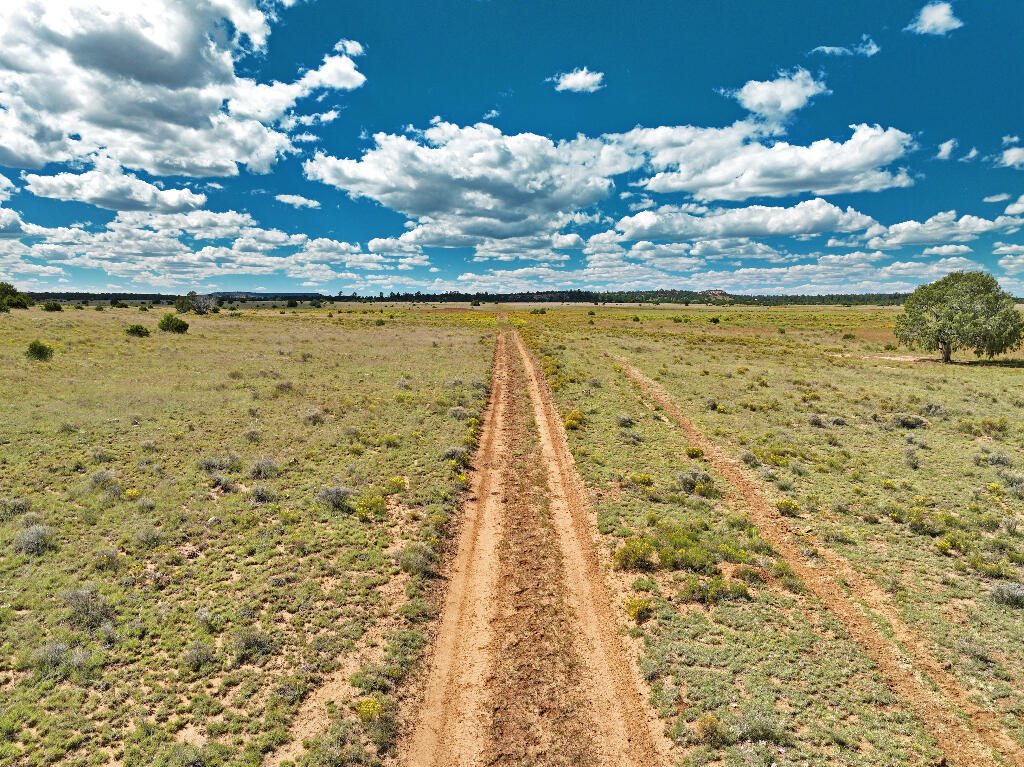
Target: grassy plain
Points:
(197, 529)
(200, 531)
(908, 469)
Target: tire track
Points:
(452, 727)
(984, 742)
(629, 733)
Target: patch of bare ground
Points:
(629, 731)
(966, 733)
(537, 700)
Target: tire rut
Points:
(984, 742)
(630, 733)
(452, 727)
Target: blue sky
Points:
(798, 147)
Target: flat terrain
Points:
(521, 535)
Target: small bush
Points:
(313, 418)
(624, 421)
(39, 351)
(710, 731)
(636, 554)
(416, 558)
(262, 494)
(249, 644)
(89, 608)
(197, 655)
(574, 419)
(639, 609)
(788, 508)
(1009, 594)
(52, 306)
(139, 331)
(265, 468)
(148, 537)
(34, 540)
(212, 463)
(170, 323)
(688, 481)
(335, 497)
(459, 455)
(459, 413)
(694, 452)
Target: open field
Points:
(507, 535)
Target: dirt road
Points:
(528, 666)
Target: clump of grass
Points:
(252, 435)
(35, 540)
(39, 351)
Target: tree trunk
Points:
(946, 349)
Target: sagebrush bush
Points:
(197, 655)
(688, 481)
(35, 540)
(228, 462)
(625, 421)
(262, 494)
(335, 497)
(1010, 594)
(11, 507)
(89, 608)
(39, 351)
(457, 454)
(264, 468)
(416, 558)
(249, 644)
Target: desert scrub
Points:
(35, 540)
(139, 331)
(335, 497)
(171, 323)
(574, 419)
(640, 609)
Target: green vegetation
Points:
(172, 324)
(187, 554)
(908, 470)
(961, 311)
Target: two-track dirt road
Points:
(528, 666)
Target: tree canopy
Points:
(963, 310)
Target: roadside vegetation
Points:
(910, 470)
(197, 530)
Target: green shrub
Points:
(416, 558)
(788, 508)
(639, 609)
(169, 323)
(1010, 594)
(139, 331)
(39, 351)
(636, 554)
(52, 306)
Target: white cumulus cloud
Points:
(297, 201)
(108, 186)
(580, 80)
(934, 19)
(946, 149)
(777, 99)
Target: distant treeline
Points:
(641, 296)
(716, 297)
